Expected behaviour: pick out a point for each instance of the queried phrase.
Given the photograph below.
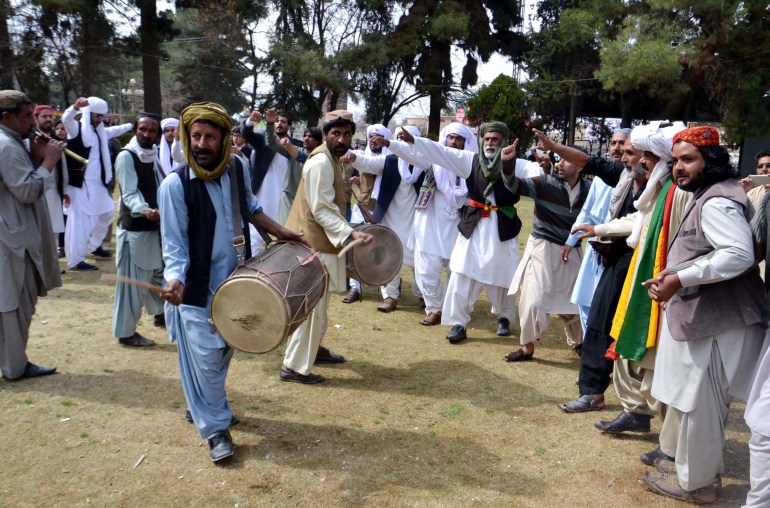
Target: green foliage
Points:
(502, 100)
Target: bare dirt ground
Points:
(410, 420)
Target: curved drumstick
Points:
(350, 246)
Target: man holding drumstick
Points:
(199, 257)
(318, 212)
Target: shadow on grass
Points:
(376, 461)
(442, 379)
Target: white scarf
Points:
(146, 155)
(381, 130)
(403, 166)
(89, 136)
(651, 138)
(166, 162)
(454, 194)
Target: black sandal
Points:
(518, 356)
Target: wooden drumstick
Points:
(350, 246)
(109, 277)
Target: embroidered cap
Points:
(698, 136)
(9, 99)
(338, 113)
(42, 107)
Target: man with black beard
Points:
(318, 212)
(57, 197)
(138, 254)
(715, 317)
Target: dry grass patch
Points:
(410, 420)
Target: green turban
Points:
(216, 114)
(492, 169)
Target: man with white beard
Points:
(486, 253)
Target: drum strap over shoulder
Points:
(239, 241)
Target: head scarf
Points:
(166, 160)
(492, 169)
(652, 138)
(624, 130)
(216, 114)
(460, 130)
(376, 129)
(403, 166)
(452, 189)
(699, 136)
(92, 136)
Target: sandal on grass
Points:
(518, 356)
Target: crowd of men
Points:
(665, 301)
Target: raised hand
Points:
(509, 152)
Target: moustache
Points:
(202, 151)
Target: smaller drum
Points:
(264, 300)
(378, 262)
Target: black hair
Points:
(339, 122)
(718, 167)
(762, 153)
(282, 114)
(315, 133)
(151, 116)
(576, 147)
(223, 130)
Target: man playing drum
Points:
(198, 258)
(318, 212)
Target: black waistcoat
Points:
(469, 216)
(147, 184)
(75, 170)
(202, 218)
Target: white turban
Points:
(407, 175)
(411, 129)
(376, 130)
(168, 122)
(461, 130)
(89, 136)
(652, 138)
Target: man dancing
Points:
(197, 227)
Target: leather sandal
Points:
(353, 295)
(518, 356)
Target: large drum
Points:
(378, 262)
(268, 297)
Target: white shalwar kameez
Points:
(698, 379)
(481, 260)
(400, 213)
(434, 230)
(91, 207)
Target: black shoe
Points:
(326, 356)
(32, 370)
(159, 320)
(101, 252)
(221, 445)
(625, 422)
(503, 327)
(84, 267)
(136, 340)
(295, 377)
(649, 458)
(189, 419)
(456, 334)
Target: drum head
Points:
(380, 261)
(250, 314)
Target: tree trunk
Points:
(572, 117)
(6, 53)
(150, 56)
(436, 105)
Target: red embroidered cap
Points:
(698, 136)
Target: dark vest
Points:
(710, 309)
(148, 186)
(470, 216)
(389, 182)
(202, 218)
(75, 169)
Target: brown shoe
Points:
(432, 319)
(389, 305)
(669, 467)
(353, 295)
(668, 485)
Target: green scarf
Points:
(493, 169)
